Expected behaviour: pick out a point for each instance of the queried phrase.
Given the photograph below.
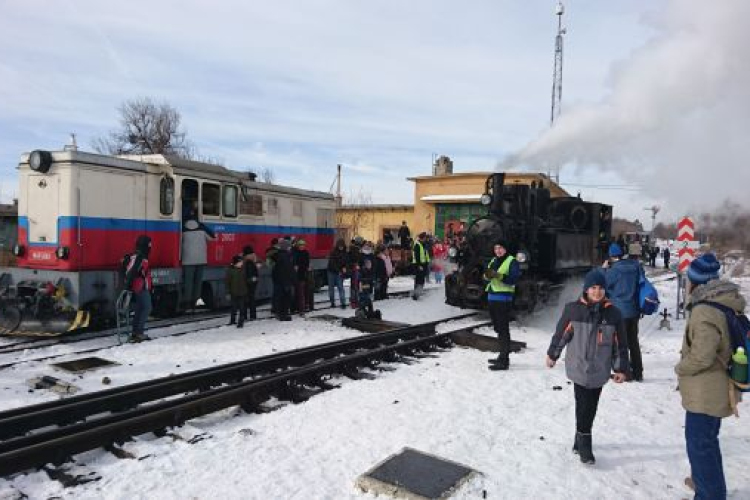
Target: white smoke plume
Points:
(677, 115)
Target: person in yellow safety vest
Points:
(421, 260)
(502, 273)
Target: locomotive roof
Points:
(180, 166)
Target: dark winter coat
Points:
(283, 269)
(596, 340)
(366, 278)
(381, 273)
(338, 258)
(301, 260)
(251, 271)
(354, 256)
(236, 282)
(404, 234)
(623, 277)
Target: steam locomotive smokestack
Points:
(497, 182)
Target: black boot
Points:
(584, 448)
(501, 363)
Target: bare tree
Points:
(267, 175)
(356, 213)
(147, 127)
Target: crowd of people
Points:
(599, 330)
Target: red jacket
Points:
(138, 274)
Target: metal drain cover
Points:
(83, 364)
(415, 475)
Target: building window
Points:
(166, 196)
(297, 208)
(211, 199)
(229, 202)
(251, 204)
(273, 206)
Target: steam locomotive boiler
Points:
(552, 239)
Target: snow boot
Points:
(501, 363)
(689, 483)
(584, 448)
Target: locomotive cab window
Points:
(229, 201)
(211, 199)
(166, 196)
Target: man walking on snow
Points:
(623, 277)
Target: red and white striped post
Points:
(685, 255)
(685, 237)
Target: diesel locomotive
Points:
(552, 239)
(80, 212)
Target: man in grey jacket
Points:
(195, 237)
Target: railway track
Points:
(53, 432)
(34, 344)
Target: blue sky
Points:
(298, 87)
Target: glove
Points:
(490, 274)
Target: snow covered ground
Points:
(514, 427)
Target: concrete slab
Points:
(415, 475)
(83, 364)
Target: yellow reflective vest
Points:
(419, 255)
(496, 284)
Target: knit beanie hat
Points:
(615, 250)
(595, 277)
(704, 269)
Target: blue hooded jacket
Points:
(623, 277)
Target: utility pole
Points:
(557, 73)
(338, 186)
(654, 210)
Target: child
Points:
(237, 287)
(594, 332)
(366, 279)
(437, 268)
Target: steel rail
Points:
(58, 445)
(112, 333)
(20, 420)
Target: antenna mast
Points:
(557, 73)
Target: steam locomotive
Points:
(551, 238)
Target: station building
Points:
(441, 200)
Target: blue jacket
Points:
(622, 286)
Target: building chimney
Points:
(443, 166)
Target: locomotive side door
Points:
(189, 205)
(43, 207)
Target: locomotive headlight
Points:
(17, 250)
(40, 161)
(486, 199)
(62, 252)
(452, 252)
(521, 257)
